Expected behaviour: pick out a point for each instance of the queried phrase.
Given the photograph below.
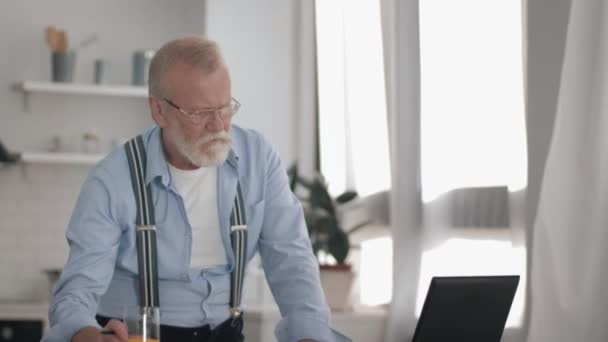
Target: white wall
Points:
(257, 38)
(36, 200)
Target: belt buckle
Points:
(235, 312)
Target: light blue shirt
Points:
(100, 276)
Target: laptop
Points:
(472, 309)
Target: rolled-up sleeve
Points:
(93, 237)
(291, 268)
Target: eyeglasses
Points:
(200, 116)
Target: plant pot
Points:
(337, 282)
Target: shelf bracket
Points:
(26, 101)
(25, 94)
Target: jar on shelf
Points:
(90, 143)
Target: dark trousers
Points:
(174, 334)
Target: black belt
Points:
(171, 333)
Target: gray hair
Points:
(196, 51)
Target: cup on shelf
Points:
(100, 71)
(90, 143)
(62, 66)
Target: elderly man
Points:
(195, 160)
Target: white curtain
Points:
(402, 67)
(570, 244)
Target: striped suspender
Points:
(238, 238)
(146, 235)
(146, 230)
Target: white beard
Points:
(213, 155)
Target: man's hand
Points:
(92, 334)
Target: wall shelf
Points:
(60, 158)
(83, 89)
(30, 87)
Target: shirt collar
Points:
(157, 164)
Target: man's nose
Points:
(215, 122)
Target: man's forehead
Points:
(201, 71)
(197, 89)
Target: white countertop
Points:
(23, 310)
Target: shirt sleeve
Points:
(93, 237)
(291, 269)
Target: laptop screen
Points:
(468, 309)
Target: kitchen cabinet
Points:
(23, 321)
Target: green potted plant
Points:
(327, 235)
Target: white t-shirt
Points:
(198, 189)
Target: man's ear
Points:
(156, 109)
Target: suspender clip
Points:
(146, 228)
(238, 227)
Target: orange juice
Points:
(141, 339)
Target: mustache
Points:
(223, 136)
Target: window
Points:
(352, 101)
(376, 278)
(353, 117)
(472, 124)
(472, 130)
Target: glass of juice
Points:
(143, 324)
